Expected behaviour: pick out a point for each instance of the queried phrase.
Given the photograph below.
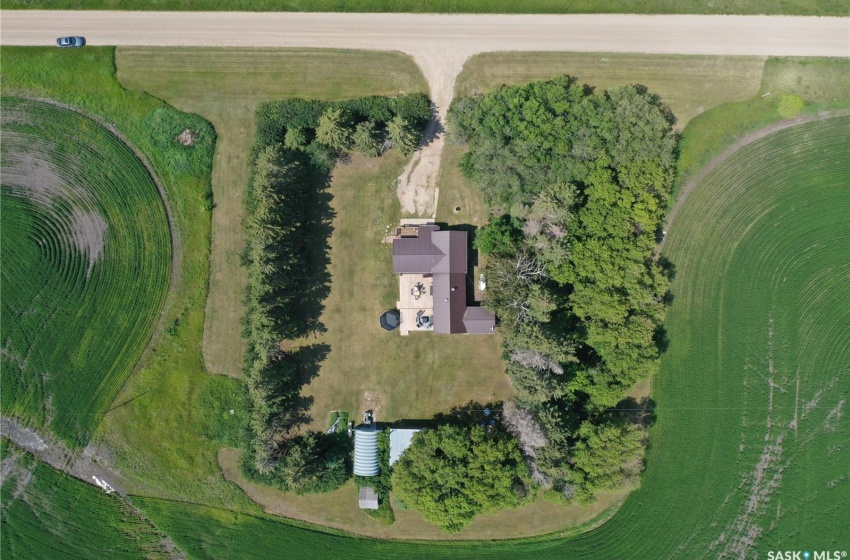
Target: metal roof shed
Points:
(368, 498)
(366, 451)
(400, 439)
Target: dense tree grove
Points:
(288, 223)
(450, 474)
(577, 183)
(323, 130)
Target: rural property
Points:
(424, 279)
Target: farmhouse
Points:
(432, 268)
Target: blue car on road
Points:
(71, 42)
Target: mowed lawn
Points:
(416, 376)
(225, 86)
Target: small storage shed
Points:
(366, 450)
(368, 498)
(400, 439)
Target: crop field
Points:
(86, 265)
(46, 514)
(225, 86)
(747, 452)
(170, 390)
(788, 7)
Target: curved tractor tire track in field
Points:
(85, 229)
(682, 196)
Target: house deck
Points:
(415, 295)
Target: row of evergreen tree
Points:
(288, 224)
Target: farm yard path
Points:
(440, 45)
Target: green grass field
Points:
(86, 265)
(225, 86)
(761, 246)
(786, 7)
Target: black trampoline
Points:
(390, 320)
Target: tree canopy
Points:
(334, 129)
(451, 474)
(577, 183)
(403, 137)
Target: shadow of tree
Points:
(287, 374)
(635, 411)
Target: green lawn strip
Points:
(820, 82)
(47, 514)
(225, 86)
(688, 84)
(75, 334)
(787, 7)
(759, 252)
(161, 438)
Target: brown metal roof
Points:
(477, 320)
(453, 244)
(416, 255)
(443, 254)
(449, 303)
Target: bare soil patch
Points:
(187, 137)
(92, 462)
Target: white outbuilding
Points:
(400, 439)
(368, 498)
